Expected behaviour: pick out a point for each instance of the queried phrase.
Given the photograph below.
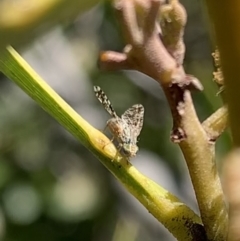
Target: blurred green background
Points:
(51, 187)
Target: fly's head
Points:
(128, 149)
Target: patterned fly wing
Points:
(134, 118)
(102, 97)
(125, 129)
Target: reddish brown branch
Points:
(150, 21)
(110, 60)
(125, 10)
(160, 57)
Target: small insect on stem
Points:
(125, 129)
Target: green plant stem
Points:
(200, 158)
(215, 124)
(180, 220)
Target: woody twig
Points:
(154, 46)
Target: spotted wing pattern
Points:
(102, 97)
(134, 118)
(125, 129)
